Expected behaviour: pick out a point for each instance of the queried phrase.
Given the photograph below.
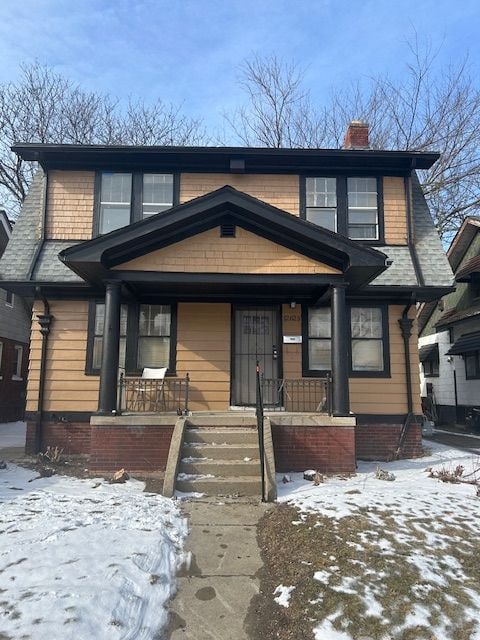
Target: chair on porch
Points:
(150, 396)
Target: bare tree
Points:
(432, 108)
(44, 106)
(278, 112)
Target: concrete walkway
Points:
(214, 593)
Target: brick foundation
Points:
(135, 448)
(326, 449)
(380, 441)
(72, 437)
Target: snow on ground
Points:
(12, 434)
(282, 595)
(415, 521)
(85, 559)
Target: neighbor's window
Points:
(321, 202)
(18, 362)
(115, 201)
(157, 193)
(98, 325)
(431, 365)
(367, 339)
(153, 336)
(319, 339)
(1, 355)
(472, 365)
(362, 200)
(9, 299)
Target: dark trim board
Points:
(393, 419)
(64, 417)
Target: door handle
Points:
(275, 353)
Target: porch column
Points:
(340, 350)
(107, 400)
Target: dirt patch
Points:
(364, 578)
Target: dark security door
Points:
(256, 337)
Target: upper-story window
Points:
(349, 205)
(362, 208)
(321, 202)
(124, 198)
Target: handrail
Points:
(260, 417)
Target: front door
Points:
(256, 336)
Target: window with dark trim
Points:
(350, 205)
(17, 375)
(431, 365)
(147, 337)
(472, 365)
(369, 352)
(122, 198)
(9, 299)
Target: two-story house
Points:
(15, 321)
(206, 260)
(450, 335)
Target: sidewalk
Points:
(214, 593)
(12, 440)
(466, 442)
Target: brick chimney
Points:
(356, 136)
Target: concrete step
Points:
(222, 467)
(222, 486)
(216, 435)
(220, 451)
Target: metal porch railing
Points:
(145, 395)
(302, 395)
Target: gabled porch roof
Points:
(94, 260)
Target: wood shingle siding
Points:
(282, 191)
(207, 252)
(67, 388)
(70, 205)
(394, 210)
(203, 351)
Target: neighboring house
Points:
(450, 334)
(205, 260)
(15, 321)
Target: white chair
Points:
(148, 394)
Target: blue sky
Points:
(189, 51)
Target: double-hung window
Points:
(367, 329)
(472, 365)
(368, 345)
(145, 337)
(321, 202)
(362, 198)
(124, 198)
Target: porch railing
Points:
(260, 425)
(307, 395)
(145, 395)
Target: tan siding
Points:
(203, 351)
(389, 395)
(292, 353)
(70, 205)
(208, 252)
(67, 388)
(394, 210)
(281, 191)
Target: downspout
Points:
(44, 320)
(406, 325)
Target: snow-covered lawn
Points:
(85, 559)
(381, 559)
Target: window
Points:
(123, 198)
(115, 201)
(319, 339)
(1, 355)
(98, 324)
(145, 337)
(349, 205)
(157, 193)
(18, 362)
(362, 208)
(9, 299)
(472, 365)
(367, 339)
(431, 366)
(321, 202)
(153, 336)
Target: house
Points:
(15, 321)
(450, 334)
(206, 260)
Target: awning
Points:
(428, 352)
(465, 344)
